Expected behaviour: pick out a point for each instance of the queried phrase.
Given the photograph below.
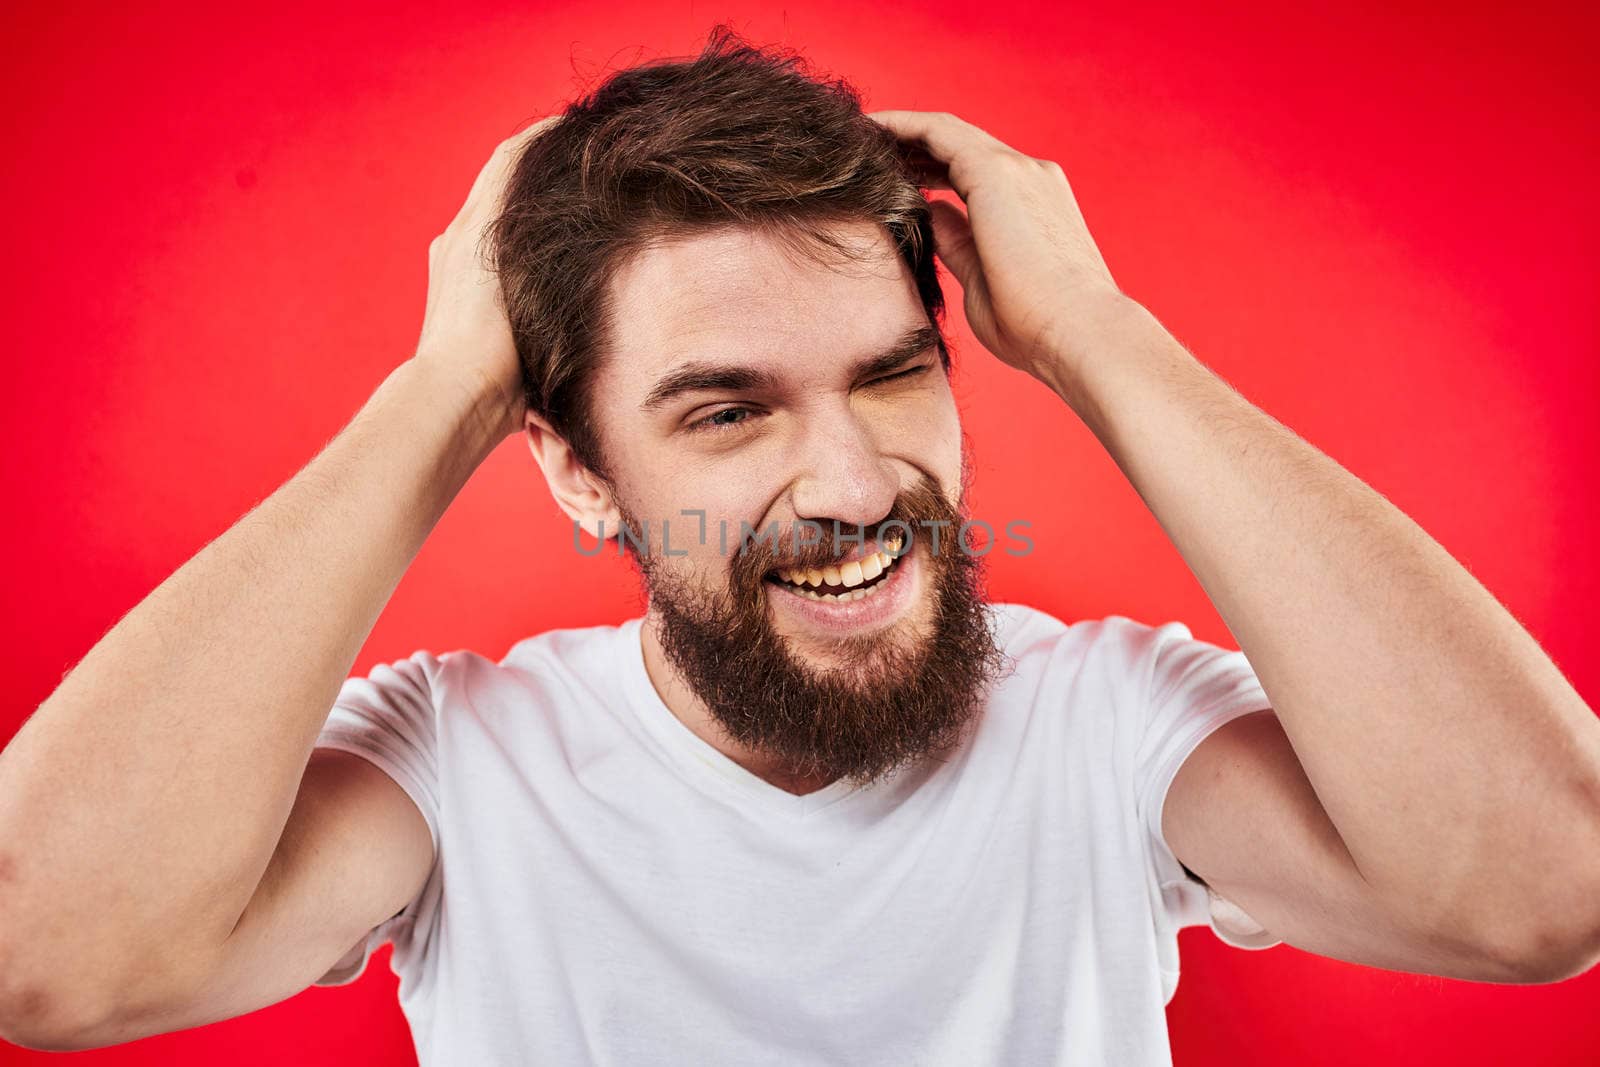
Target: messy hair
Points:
(737, 136)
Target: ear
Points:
(582, 495)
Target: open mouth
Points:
(855, 580)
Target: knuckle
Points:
(1003, 156)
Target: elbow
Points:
(1566, 942)
(1547, 929)
(36, 1016)
(83, 1003)
(36, 1009)
(52, 1016)
(1549, 955)
(53, 1000)
(67, 985)
(50, 1003)
(1550, 937)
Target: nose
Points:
(842, 473)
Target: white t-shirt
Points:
(609, 888)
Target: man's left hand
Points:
(1029, 270)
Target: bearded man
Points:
(823, 802)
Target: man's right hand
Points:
(464, 328)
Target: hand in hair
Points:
(1028, 268)
(464, 326)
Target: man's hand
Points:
(1021, 251)
(464, 327)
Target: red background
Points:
(1378, 226)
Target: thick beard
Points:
(893, 706)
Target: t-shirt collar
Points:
(697, 759)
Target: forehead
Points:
(740, 295)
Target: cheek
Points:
(931, 437)
(706, 515)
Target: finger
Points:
(951, 141)
(491, 178)
(927, 172)
(953, 242)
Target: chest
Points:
(620, 909)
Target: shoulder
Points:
(578, 651)
(1115, 663)
(550, 665)
(1023, 631)
(558, 673)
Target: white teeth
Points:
(832, 598)
(851, 574)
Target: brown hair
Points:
(671, 148)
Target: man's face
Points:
(766, 390)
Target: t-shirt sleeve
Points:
(389, 719)
(1195, 687)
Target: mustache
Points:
(811, 543)
(889, 537)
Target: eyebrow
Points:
(735, 377)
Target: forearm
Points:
(1457, 763)
(140, 804)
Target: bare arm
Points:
(142, 803)
(1459, 767)
(1426, 793)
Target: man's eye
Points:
(728, 418)
(717, 420)
(908, 372)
